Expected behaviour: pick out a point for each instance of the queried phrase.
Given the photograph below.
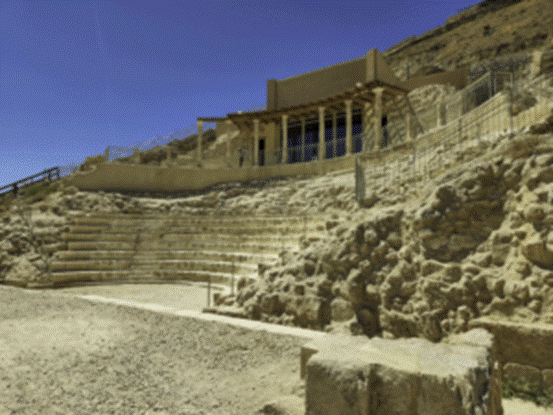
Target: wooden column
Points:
(302, 139)
(229, 142)
(349, 143)
(322, 147)
(378, 118)
(256, 142)
(199, 146)
(284, 139)
(334, 133)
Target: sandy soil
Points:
(179, 295)
(63, 355)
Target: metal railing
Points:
(468, 136)
(48, 175)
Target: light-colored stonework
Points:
(372, 377)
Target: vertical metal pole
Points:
(511, 106)
(232, 280)
(209, 291)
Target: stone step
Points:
(145, 240)
(129, 219)
(100, 265)
(252, 248)
(76, 277)
(197, 265)
(149, 265)
(184, 229)
(236, 257)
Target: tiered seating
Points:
(137, 248)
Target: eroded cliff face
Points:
(489, 30)
(479, 243)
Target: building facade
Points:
(331, 112)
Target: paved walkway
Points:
(177, 299)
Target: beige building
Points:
(331, 112)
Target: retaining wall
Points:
(523, 351)
(119, 176)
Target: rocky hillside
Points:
(491, 29)
(477, 240)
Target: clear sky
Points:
(77, 76)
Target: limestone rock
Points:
(341, 310)
(21, 272)
(517, 374)
(535, 250)
(284, 405)
(547, 380)
(381, 376)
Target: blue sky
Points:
(77, 76)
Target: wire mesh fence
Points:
(114, 152)
(461, 139)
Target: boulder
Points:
(21, 272)
(534, 248)
(283, 405)
(523, 378)
(341, 310)
(380, 376)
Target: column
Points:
(199, 146)
(334, 133)
(256, 142)
(229, 142)
(366, 124)
(348, 127)
(322, 148)
(378, 118)
(285, 139)
(302, 139)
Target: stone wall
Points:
(118, 176)
(347, 375)
(524, 353)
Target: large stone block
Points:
(523, 343)
(547, 380)
(408, 376)
(530, 376)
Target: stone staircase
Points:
(107, 247)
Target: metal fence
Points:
(116, 152)
(435, 152)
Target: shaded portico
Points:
(332, 112)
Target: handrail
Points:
(46, 175)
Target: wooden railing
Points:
(49, 175)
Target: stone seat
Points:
(155, 255)
(146, 238)
(131, 219)
(193, 229)
(252, 248)
(107, 276)
(98, 264)
(195, 265)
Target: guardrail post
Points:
(232, 279)
(209, 291)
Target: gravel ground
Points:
(65, 355)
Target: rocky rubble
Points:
(421, 260)
(480, 242)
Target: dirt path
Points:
(62, 355)
(66, 355)
(179, 295)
